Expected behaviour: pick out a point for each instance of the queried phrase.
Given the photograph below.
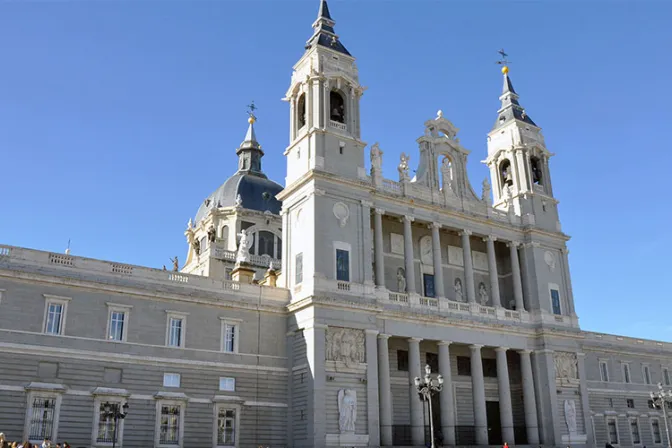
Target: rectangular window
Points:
(42, 416)
(116, 332)
(169, 425)
(175, 331)
(626, 373)
(634, 431)
(655, 431)
(342, 265)
(106, 423)
(604, 371)
(402, 360)
(229, 337)
(432, 360)
(226, 427)
(171, 380)
(630, 403)
(555, 301)
(647, 374)
(612, 431)
(463, 366)
(428, 283)
(227, 384)
(611, 402)
(298, 266)
(489, 368)
(666, 376)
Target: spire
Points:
(511, 108)
(323, 31)
(249, 152)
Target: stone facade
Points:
(379, 278)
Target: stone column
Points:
(315, 338)
(583, 389)
(408, 255)
(468, 266)
(492, 270)
(505, 408)
(366, 268)
(446, 396)
(378, 247)
(438, 264)
(384, 390)
(515, 273)
(417, 415)
(529, 400)
(372, 388)
(478, 393)
(568, 281)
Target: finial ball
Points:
(505, 70)
(251, 120)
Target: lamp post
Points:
(112, 411)
(427, 388)
(660, 400)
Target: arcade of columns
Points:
(448, 412)
(438, 273)
(446, 397)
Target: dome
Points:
(256, 192)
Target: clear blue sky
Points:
(118, 118)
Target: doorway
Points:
(494, 423)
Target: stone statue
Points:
(483, 293)
(566, 366)
(403, 167)
(212, 234)
(243, 254)
(485, 196)
(347, 410)
(459, 296)
(239, 201)
(176, 264)
(570, 416)
(345, 345)
(190, 224)
(447, 176)
(401, 280)
(376, 158)
(197, 247)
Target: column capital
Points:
(513, 244)
(490, 238)
(370, 331)
(525, 351)
(501, 349)
(565, 251)
(384, 336)
(465, 232)
(409, 218)
(418, 340)
(366, 203)
(380, 211)
(446, 343)
(434, 225)
(475, 347)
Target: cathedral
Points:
(343, 309)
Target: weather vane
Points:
(504, 62)
(251, 108)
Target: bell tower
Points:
(518, 162)
(324, 98)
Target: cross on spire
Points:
(503, 58)
(250, 110)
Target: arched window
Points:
(505, 173)
(265, 243)
(336, 107)
(301, 111)
(279, 254)
(535, 168)
(224, 236)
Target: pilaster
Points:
(468, 266)
(417, 415)
(384, 390)
(372, 387)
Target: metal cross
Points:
(251, 108)
(503, 56)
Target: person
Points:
(46, 443)
(506, 445)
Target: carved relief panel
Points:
(345, 345)
(566, 367)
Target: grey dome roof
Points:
(257, 193)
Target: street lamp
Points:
(660, 400)
(112, 411)
(427, 388)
